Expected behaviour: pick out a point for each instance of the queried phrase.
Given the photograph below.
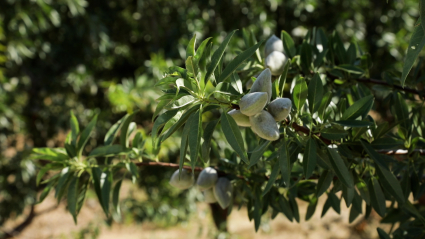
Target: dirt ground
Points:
(55, 222)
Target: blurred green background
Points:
(104, 56)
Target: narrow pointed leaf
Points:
(72, 197)
(235, 63)
(416, 44)
(288, 44)
(324, 183)
(315, 93)
(272, 179)
(258, 153)
(84, 137)
(309, 159)
(285, 163)
(377, 198)
(216, 57)
(388, 179)
(116, 196)
(233, 135)
(300, 93)
(194, 137)
(75, 129)
(339, 168)
(190, 49)
(359, 108)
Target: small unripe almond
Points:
(207, 178)
(263, 83)
(273, 44)
(253, 103)
(209, 196)
(276, 62)
(280, 108)
(241, 119)
(223, 191)
(264, 125)
(184, 180)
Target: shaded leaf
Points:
(233, 135)
(315, 93)
(339, 168)
(416, 44)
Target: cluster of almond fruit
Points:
(214, 189)
(256, 110)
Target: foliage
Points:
(102, 57)
(341, 143)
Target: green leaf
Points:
(422, 13)
(387, 143)
(350, 69)
(84, 137)
(311, 208)
(161, 121)
(285, 207)
(377, 198)
(116, 196)
(235, 63)
(72, 197)
(359, 108)
(339, 168)
(233, 135)
(353, 123)
(416, 44)
(258, 153)
(41, 173)
(324, 182)
(108, 150)
(52, 154)
(315, 93)
(62, 183)
(46, 191)
(364, 192)
(335, 202)
(282, 79)
(190, 49)
(200, 51)
(272, 179)
(192, 68)
(194, 137)
(132, 168)
(351, 54)
(348, 195)
(294, 207)
(216, 57)
(388, 179)
(179, 123)
(75, 129)
(309, 159)
(300, 93)
(105, 185)
(183, 101)
(208, 134)
(288, 44)
(285, 163)
(113, 131)
(333, 133)
(306, 57)
(382, 234)
(402, 111)
(184, 144)
(236, 83)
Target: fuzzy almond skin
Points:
(207, 178)
(263, 83)
(280, 108)
(264, 125)
(241, 119)
(223, 191)
(273, 44)
(185, 180)
(209, 196)
(253, 103)
(276, 62)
